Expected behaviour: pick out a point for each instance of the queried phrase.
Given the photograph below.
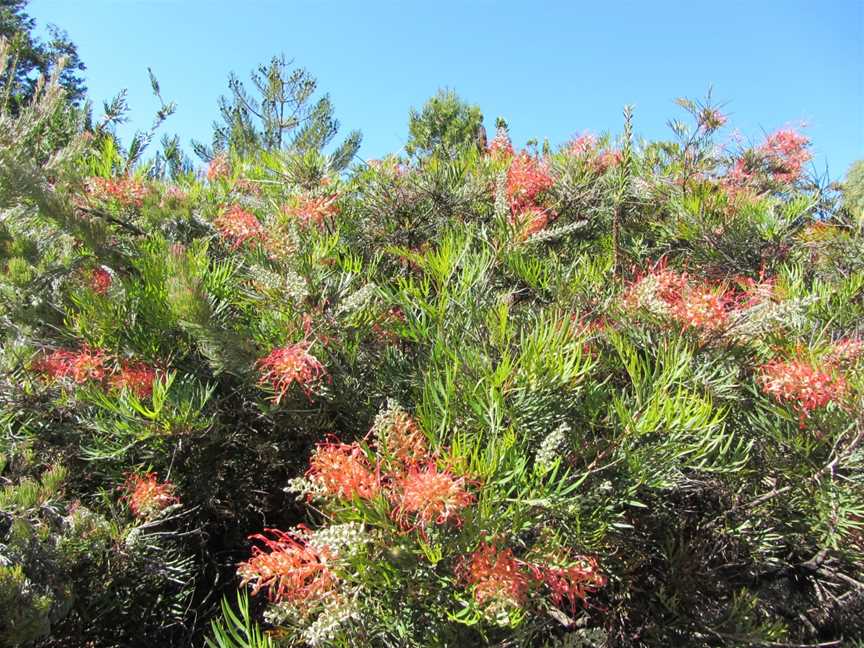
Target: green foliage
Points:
(853, 190)
(445, 126)
(634, 420)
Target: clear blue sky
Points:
(552, 69)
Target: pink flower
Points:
(501, 146)
(219, 167)
(317, 211)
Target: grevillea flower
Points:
(238, 226)
(137, 377)
(343, 471)
(80, 366)
(501, 146)
(571, 585)
(692, 304)
(291, 364)
(315, 211)
(495, 576)
(288, 568)
(846, 351)
(147, 496)
(786, 153)
(399, 433)
(530, 221)
(801, 384)
(581, 145)
(608, 159)
(219, 167)
(430, 495)
(126, 191)
(100, 280)
(526, 180)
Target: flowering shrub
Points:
(581, 451)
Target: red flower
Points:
(526, 180)
(846, 350)
(317, 211)
(238, 227)
(430, 495)
(137, 377)
(291, 364)
(786, 153)
(495, 576)
(288, 568)
(582, 145)
(79, 366)
(501, 146)
(343, 471)
(219, 167)
(530, 221)
(125, 190)
(147, 496)
(100, 280)
(803, 385)
(572, 584)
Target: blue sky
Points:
(552, 69)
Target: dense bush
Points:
(607, 395)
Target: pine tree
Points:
(445, 126)
(32, 58)
(280, 114)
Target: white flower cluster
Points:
(647, 298)
(340, 539)
(502, 206)
(336, 613)
(358, 299)
(551, 448)
(304, 486)
(384, 420)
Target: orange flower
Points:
(430, 495)
(147, 497)
(495, 576)
(343, 471)
(526, 180)
(289, 569)
(238, 227)
(219, 167)
(288, 365)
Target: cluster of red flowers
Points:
(238, 226)
(100, 280)
(311, 210)
(846, 351)
(802, 384)
(137, 377)
(80, 366)
(147, 496)
(675, 295)
(424, 494)
(501, 146)
(497, 576)
(219, 167)
(343, 471)
(291, 364)
(288, 568)
(125, 190)
(527, 178)
(93, 365)
(421, 493)
(781, 156)
(582, 145)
